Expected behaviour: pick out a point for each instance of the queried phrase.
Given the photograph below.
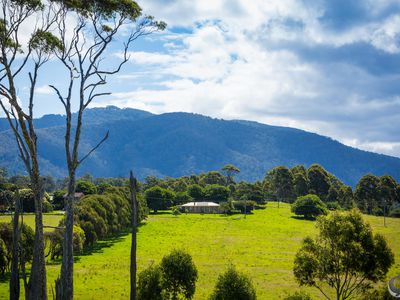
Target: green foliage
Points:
(233, 285)
(104, 215)
(182, 198)
(3, 258)
(244, 205)
(280, 184)
(45, 41)
(86, 187)
(230, 172)
(27, 238)
(58, 199)
(47, 207)
(319, 180)
(216, 193)
(54, 240)
(212, 177)
(298, 296)
(345, 246)
(367, 193)
(309, 206)
(395, 212)
(149, 286)
(179, 275)
(249, 191)
(158, 198)
(196, 192)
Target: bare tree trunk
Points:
(37, 280)
(64, 285)
(14, 281)
(134, 219)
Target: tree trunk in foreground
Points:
(134, 220)
(14, 281)
(37, 280)
(65, 284)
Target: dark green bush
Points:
(310, 206)
(233, 285)
(149, 285)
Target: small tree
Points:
(233, 285)
(230, 171)
(346, 256)
(179, 275)
(310, 206)
(149, 284)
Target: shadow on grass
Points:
(303, 218)
(5, 278)
(160, 213)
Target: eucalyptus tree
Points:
(26, 45)
(87, 30)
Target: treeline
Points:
(372, 195)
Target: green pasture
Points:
(262, 245)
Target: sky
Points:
(325, 66)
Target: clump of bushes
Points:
(55, 238)
(104, 215)
(309, 206)
(27, 238)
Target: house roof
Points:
(200, 204)
(76, 195)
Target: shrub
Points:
(78, 239)
(27, 238)
(55, 239)
(3, 258)
(47, 207)
(58, 199)
(310, 206)
(298, 296)
(395, 212)
(149, 284)
(233, 285)
(179, 275)
(244, 204)
(377, 211)
(86, 187)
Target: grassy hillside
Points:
(263, 245)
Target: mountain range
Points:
(176, 144)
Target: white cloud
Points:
(44, 90)
(239, 61)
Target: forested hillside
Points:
(177, 144)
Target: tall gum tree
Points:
(23, 53)
(87, 29)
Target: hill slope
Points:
(178, 144)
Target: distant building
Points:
(201, 207)
(77, 196)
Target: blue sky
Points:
(326, 66)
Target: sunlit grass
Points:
(263, 246)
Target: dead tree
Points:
(14, 281)
(134, 221)
(18, 60)
(84, 46)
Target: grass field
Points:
(49, 219)
(263, 246)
